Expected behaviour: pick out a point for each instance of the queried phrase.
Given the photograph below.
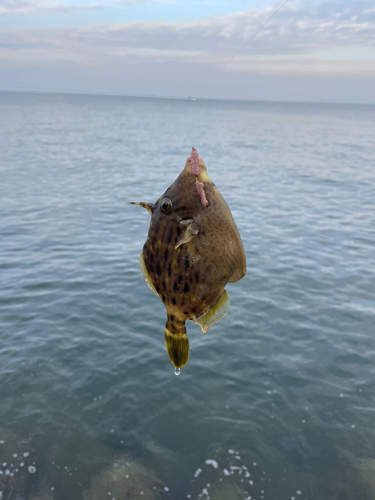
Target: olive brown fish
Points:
(193, 249)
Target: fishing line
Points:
(239, 50)
(229, 61)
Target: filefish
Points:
(193, 249)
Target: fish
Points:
(193, 249)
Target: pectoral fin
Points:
(190, 233)
(214, 314)
(145, 274)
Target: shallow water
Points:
(285, 381)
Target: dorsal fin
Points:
(214, 314)
(148, 206)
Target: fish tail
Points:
(177, 345)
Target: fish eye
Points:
(166, 205)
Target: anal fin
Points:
(214, 314)
(145, 274)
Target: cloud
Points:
(52, 8)
(326, 39)
(43, 7)
(298, 27)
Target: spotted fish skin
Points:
(192, 251)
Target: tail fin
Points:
(177, 345)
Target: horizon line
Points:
(173, 98)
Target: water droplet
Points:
(177, 371)
(31, 469)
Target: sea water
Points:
(278, 399)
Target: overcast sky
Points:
(310, 51)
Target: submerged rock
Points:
(69, 464)
(42, 497)
(367, 470)
(124, 479)
(224, 474)
(227, 491)
(18, 469)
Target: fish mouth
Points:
(194, 163)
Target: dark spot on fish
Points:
(166, 255)
(175, 286)
(157, 227)
(179, 279)
(171, 317)
(196, 277)
(186, 288)
(151, 257)
(173, 301)
(169, 270)
(158, 270)
(163, 285)
(178, 231)
(157, 289)
(151, 268)
(163, 297)
(170, 235)
(187, 262)
(191, 280)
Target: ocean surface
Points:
(277, 401)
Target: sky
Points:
(312, 51)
